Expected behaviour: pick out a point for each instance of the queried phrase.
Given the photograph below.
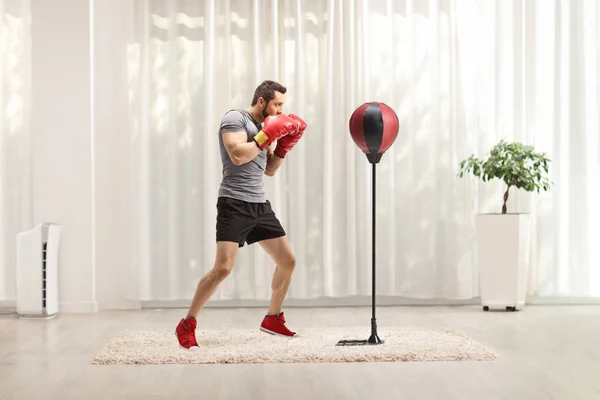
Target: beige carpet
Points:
(316, 345)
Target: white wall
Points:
(80, 160)
(61, 141)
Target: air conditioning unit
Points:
(37, 271)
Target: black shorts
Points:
(239, 221)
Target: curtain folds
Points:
(461, 75)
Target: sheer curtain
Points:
(461, 75)
(15, 97)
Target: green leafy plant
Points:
(515, 164)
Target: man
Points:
(243, 214)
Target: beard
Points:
(264, 112)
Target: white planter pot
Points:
(503, 260)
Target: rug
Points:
(316, 345)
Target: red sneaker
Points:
(275, 325)
(186, 334)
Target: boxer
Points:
(249, 151)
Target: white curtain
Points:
(15, 97)
(461, 75)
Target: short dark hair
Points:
(267, 90)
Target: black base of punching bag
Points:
(374, 338)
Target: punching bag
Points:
(374, 127)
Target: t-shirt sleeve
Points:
(233, 121)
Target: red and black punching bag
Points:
(374, 127)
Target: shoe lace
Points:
(281, 319)
(188, 337)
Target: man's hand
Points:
(275, 127)
(300, 121)
(273, 163)
(287, 143)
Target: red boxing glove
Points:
(301, 123)
(287, 143)
(275, 127)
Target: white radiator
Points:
(37, 271)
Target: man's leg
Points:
(269, 233)
(280, 251)
(224, 262)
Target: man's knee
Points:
(224, 263)
(289, 262)
(223, 269)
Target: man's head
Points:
(269, 98)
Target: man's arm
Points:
(235, 138)
(273, 163)
(239, 149)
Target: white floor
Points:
(546, 352)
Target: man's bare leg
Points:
(280, 251)
(224, 262)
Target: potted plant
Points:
(503, 238)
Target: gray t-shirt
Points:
(243, 182)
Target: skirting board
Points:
(559, 300)
(8, 307)
(83, 307)
(356, 301)
(87, 307)
(366, 301)
(119, 304)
